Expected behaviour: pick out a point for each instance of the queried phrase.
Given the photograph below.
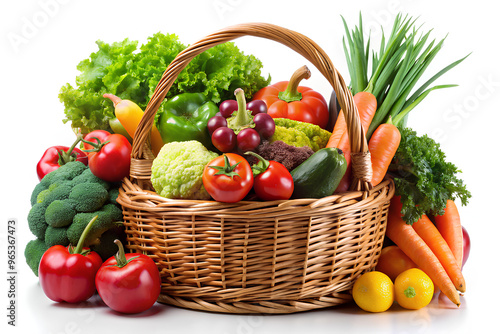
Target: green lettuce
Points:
(132, 72)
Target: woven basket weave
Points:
(257, 257)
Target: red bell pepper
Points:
(56, 156)
(286, 99)
(128, 283)
(67, 274)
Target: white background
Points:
(463, 119)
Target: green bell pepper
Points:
(185, 117)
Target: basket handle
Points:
(361, 165)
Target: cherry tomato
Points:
(257, 106)
(111, 160)
(248, 139)
(264, 124)
(228, 178)
(224, 139)
(228, 107)
(216, 122)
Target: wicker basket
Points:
(257, 257)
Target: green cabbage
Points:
(132, 73)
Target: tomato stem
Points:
(97, 146)
(69, 155)
(291, 93)
(79, 247)
(259, 167)
(227, 169)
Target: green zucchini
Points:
(320, 174)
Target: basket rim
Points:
(294, 40)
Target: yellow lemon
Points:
(373, 292)
(413, 289)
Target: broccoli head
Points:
(66, 172)
(87, 177)
(33, 253)
(36, 221)
(88, 197)
(56, 191)
(113, 195)
(60, 213)
(106, 247)
(107, 218)
(56, 236)
(37, 190)
(64, 202)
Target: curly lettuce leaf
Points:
(123, 69)
(423, 177)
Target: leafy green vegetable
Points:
(129, 72)
(423, 178)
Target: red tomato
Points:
(97, 137)
(111, 161)
(228, 178)
(274, 182)
(128, 283)
(466, 245)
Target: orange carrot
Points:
(451, 229)
(338, 129)
(431, 236)
(407, 239)
(366, 104)
(383, 145)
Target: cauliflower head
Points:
(178, 169)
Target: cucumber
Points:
(320, 174)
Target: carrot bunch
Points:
(383, 100)
(423, 243)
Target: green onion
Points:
(401, 61)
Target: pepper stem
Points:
(115, 99)
(291, 93)
(79, 247)
(121, 260)
(242, 118)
